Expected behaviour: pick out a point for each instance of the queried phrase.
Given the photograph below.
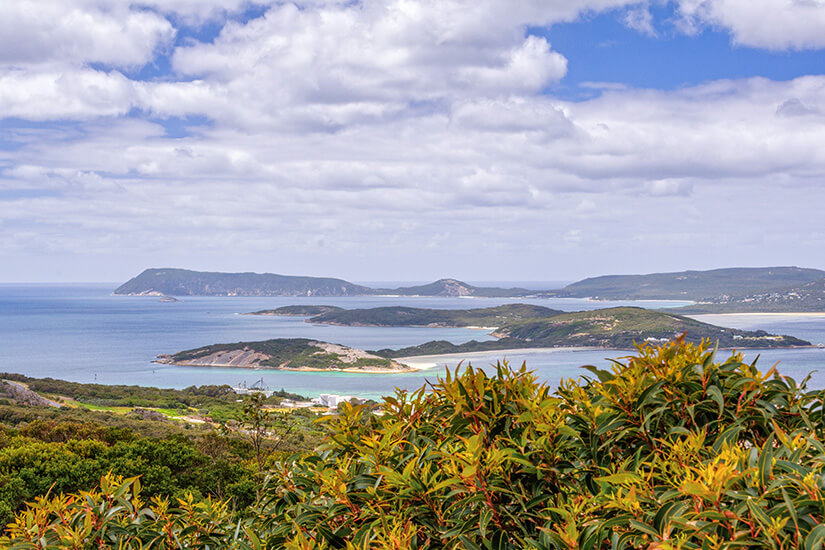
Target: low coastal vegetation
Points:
(622, 327)
(715, 284)
(284, 354)
(672, 447)
(807, 297)
(399, 316)
(218, 402)
(198, 445)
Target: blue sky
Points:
(410, 140)
(602, 48)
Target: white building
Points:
(332, 400)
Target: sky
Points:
(381, 140)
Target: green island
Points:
(674, 447)
(399, 316)
(185, 282)
(298, 354)
(297, 311)
(530, 326)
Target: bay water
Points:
(82, 333)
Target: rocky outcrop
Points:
(23, 395)
(242, 358)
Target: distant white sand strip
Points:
(427, 362)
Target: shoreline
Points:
(419, 363)
(362, 370)
(763, 314)
(354, 370)
(412, 359)
(429, 365)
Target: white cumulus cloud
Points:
(771, 24)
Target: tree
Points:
(266, 430)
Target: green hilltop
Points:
(399, 316)
(183, 282)
(616, 328)
(691, 285)
(453, 287)
(283, 354)
(807, 297)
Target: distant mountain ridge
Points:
(184, 282)
(713, 286)
(455, 288)
(700, 286)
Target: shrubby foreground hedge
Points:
(669, 449)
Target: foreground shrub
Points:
(668, 449)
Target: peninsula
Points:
(715, 284)
(296, 354)
(610, 328)
(521, 326)
(804, 298)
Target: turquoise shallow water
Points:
(82, 333)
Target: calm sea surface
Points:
(82, 333)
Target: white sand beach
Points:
(743, 319)
(428, 362)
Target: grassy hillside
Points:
(692, 285)
(178, 441)
(617, 328)
(398, 316)
(807, 297)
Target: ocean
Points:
(82, 333)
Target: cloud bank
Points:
(390, 139)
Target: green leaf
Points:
(764, 465)
(498, 541)
(815, 538)
(603, 375)
(619, 478)
(716, 395)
